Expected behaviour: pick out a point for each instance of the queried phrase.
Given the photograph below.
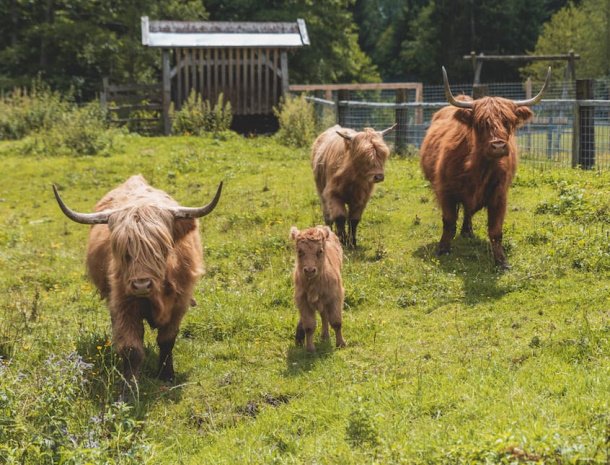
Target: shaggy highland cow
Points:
(317, 283)
(144, 256)
(469, 155)
(346, 166)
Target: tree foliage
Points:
(584, 28)
(74, 43)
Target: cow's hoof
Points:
(341, 345)
(503, 266)
(166, 375)
(311, 350)
(441, 252)
(467, 234)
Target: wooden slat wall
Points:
(249, 78)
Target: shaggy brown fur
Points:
(470, 158)
(317, 283)
(146, 264)
(346, 165)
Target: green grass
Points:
(447, 361)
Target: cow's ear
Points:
(523, 114)
(464, 115)
(345, 135)
(294, 232)
(182, 227)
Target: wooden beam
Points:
(369, 86)
(284, 65)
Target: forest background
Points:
(72, 44)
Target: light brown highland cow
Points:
(144, 256)
(346, 166)
(317, 283)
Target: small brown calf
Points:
(317, 283)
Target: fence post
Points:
(583, 138)
(402, 120)
(166, 91)
(342, 111)
(480, 90)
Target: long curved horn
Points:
(82, 218)
(537, 98)
(182, 213)
(385, 131)
(449, 96)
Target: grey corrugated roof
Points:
(219, 34)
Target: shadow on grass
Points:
(106, 383)
(471, 260)
(299, 361)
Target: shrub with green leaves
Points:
(24, 111)
(198, 116)
(297, 121)
(77, 132)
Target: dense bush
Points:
(24, 111)
(198, 116)
(297, 121)
(80, 131)
(50, 124)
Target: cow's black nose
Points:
(141, 286)
(378, 177)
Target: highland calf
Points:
(346, 166)
(469, 155)
(144, 256)
(317, 283)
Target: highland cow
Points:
(144, 255)
(346, 166)
(469, 155)
(317, 283)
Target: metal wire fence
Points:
(564, 131)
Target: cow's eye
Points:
(127, 258)
(301, 254)
(319, 253)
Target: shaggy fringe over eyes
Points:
(371, 145)
(495, 114)
(144, 234)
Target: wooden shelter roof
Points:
(223, 34)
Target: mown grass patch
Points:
(447, 361)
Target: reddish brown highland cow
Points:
(144, 256)
(346, 166)
(469, 155)
(317, 283)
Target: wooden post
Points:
(284, 66)
(166, 92)
(342, 111)
(402, 121)
(480, 90)
(583, 138)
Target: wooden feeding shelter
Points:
(245, 61)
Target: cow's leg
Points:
(495, 220)
(166, 339)
(128, 337)
(338, 214)
(325, 326)
(335, 317)
(299, 335)
(450, 213)
(355, 214)
(308, 324)
(467, 230)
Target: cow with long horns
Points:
(346, 166)
(469, 155)
(144, 255)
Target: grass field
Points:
(447, 360)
